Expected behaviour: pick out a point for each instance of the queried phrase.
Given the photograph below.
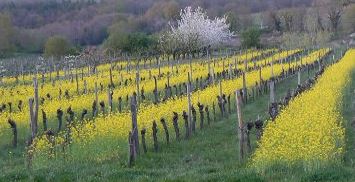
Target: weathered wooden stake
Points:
(77, 81)
(245, 65)
(272, 91)
(250, 125)
(194, 118)
(44, 117)
(272, 67)
(159, 66)
(176, 125)
(214, 111)
(162, 120)
(96, 100)
(134, 123)
(189, 105)
(60, 119)
(235, 62)
(131, 152)
(213, 76)
(259, 128)
(36, 101)
(143, 131)
(155, 137)
(299, 77)
(120, 104)
(111, 80)
(245, 91)
(156, 98)
(208, 115)
(240, 124)
(187, 130)
(201, 111)
(33, 106)
(14, 132)
(230, 71)
(137, 89)
(85, 87)
(109, 99)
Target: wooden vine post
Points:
(189, 105)
(120, 104)
(209, 65)
(299, 77)
(131, 150)
(158, 60)
(245, 94)
(109, 99)
(137, 84)
(190, 63)
(155, 137)
(96, 100)
(165, 126)
(14, 131)
(77, 81)
(34, 106)
(245, 64)
(156, 99)
(230, 71)
(235, 62)
(212, 75)
(240, 123)
(220, 89)
(85, 87)
(176, 125)
(272, 91)
(134, 124)
(111, 80)
(272, 67)
(221, 101)
(44, 120)
(144, 145)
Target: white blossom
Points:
(195, 30)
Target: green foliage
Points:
(6, 36)
(57, 46)
(234, 22)
(251, 37)
(349, 19)
(136, 42)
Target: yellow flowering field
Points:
(99, 139)
(80, 102)
(309, 130)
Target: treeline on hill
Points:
(26, 25)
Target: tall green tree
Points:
(133, 43)
(7, 45)
(233, 21)
(57, 46)
(349, 19)
(251, 37)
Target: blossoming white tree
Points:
(195, 31)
